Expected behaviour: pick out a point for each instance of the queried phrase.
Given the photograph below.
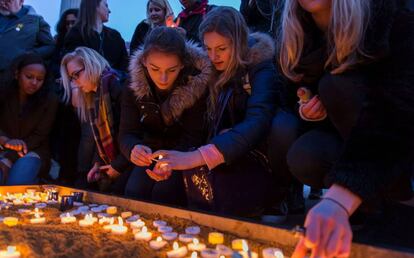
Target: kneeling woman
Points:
(163, 108)
(241, 106)
(95, 90)
(27, 112)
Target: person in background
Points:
(260, 15)
(91, 32)
(191, 17)
(163, 107)
(27, 112)
(350, 66)
(22, 30)
(94, 90)
(158, 13)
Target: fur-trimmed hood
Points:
(183, 96)
(261, 48)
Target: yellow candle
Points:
(68, 219)
(237, 244)
(215, 238)
(10, 221)
(111, 210)
(11, 252)
(119, 229)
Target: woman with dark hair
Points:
(91, 32)
(27, 112)
(163, 108)
(67, 20)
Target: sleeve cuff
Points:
(211, 155)
(309, 119)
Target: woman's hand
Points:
(93, 174)
(160, 172)
(110, 171)
(17, 145)
(314, 109)
(177, 160)
(141, 155)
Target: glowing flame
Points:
(120, 221)
(279, 254)
(175, 246)
(11, 249)
(144, 230)
(245, 246)
(67, 215)
(160, 157)
(194, 255)
(159, 239)
(195, 241)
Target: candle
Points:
(18, 202)
(143, 235)
(10, 221)
(210, 253)
(103, 220)
(11, 252)
(272, 253)
(137, 224)
(196, 246)
(237, 244)
(126, 214)
(246, 253)
(194, 255)
(67, 219)
(159, 223)
(36, 211)
(96, 209)
(165, 229)
(132, 219)
(177, 251)
(83, 208)
(224, 250)
(215, 238)
(192, 230)
(24, 211)
(169, 236)
(112, 210)
(109, 227)
(186, 238)
(157, 244)
(40, 205)
(87, 221)
(37, 219)
(119, 229)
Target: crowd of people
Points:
(217, 109)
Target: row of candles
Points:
(139, 230)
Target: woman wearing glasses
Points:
(94, 89)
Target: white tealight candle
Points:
(11, 252)
(210, 253)
(192, 230)
(132, 219)
(110, 225)
(196, 246)
(169, 236)
(194, 255)
(87, 221)
(272, 253)
(159, 223)
(37, 219)
(36, 211)
(143, 235)
(96, 209)
(83, 208)
(137, 224)
(119, 229)
(157, 244)
(165, 229)
(186, 238)
(67, 219)
(177, 251)
(224, 250)
(246, 253)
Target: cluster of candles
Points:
(111, 222)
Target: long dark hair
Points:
(61, 25)
(11, 84)
(87, 17)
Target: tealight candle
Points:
(119, 229)
(169, 236)
(143, 235)
(246, 253)
(11, 252)
(210, 253)
(103, 220)
(196, 246)
(96, 209)
(109, 226)
(83, 208)
(126, 214)
(37, 219)
(87, 221)
(159, 223)
(67, 219)
(272, 253)
(194, 255)
(177, 251)
(224, 250)
(192, 230)
(112, 210)
(40, 205)
(137, 224)
(237, 244)
(10, 221)
(157, 244)
(18, 202)
(215, 238)
(36, 211)
(186, 238)
(165, 229)
(132, 219)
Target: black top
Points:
(139, 36)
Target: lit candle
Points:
(194, 255)
(11, 252)
(196, 246)
(132, 219)
(224, 250)
(210, 253)
(177, 251)
(272, 253)
(18, 202)
(237, 244)
(109, 226)
(112, 210)
(126, 214)
(169, 236)
(137, 224)
(246, 253)
(119, 229)
(10, 221)
(143, 235)
(159, 223)
(68, 218)
(186, 238)
(37, 219)
(192, 230)
(165, 229)
(104, 220)
(36, 211)
(87, 221)
(157, 244)
(215, 238)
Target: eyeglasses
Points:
(76, 75)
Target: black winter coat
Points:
(140, 33)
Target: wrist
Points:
(344, 197)
(198, 158)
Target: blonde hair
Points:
(94, 65)
(346, 31)
(163, 4)
(229, 23)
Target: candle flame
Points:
(67, 215)
(245, 246)
(120, 221)
(36, 210)
(175, 246)
(159, 239)
(11, 249)
(278, 254)
(194, 255)
(160, 157)
(195, 241)
(37, 215)
(222, 256)
(144, 229)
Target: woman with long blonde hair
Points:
(95, 91)
(348, 73)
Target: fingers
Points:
(312, 231)
(300, 250)
(154, 175)
(156, 154)
(314, 109)
(105, 167)
(345, 243)
(141, 155)
(334, 243)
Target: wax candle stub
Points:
(196, 245)
(10, 221)
(158, 243)
(186, 238)
(177, 251)
(144, 235)
(192, 230)
(210, 253)
(10, 252)
(169, 236)
(165, 229)
(112, 210)
(159, 223)
(119, 229)
(215, 238)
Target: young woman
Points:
(90, 32)
(163, 108)
(355, 58)
(95, 91)
(27, 112)
(240, 108)
(158, 14)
